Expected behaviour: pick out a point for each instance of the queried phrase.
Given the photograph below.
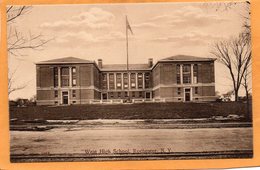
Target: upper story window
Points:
(147, 80)
(104, 81)
(140, 80)
(74, 70)
(133, 80)
(111, 81)
(118, 81)
(56, 77)
(64, 76)
(74, 77)
(125, 80)
(195, 73)
(178, 76)
(186, 71)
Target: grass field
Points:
(131, 111)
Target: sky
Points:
(98, 31)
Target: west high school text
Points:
(127, 151)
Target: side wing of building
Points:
(67, 83)
(180, 81)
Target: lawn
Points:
(131, 111)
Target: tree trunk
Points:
(236, 95)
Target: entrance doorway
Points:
(147, 95)
(104, 96)
(187, 95)
(65, 97)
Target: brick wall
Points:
(45, 94)
(45, 76)
(156, 75)
(167, 73)
(97, 77)
(206, 72)
(85, 75)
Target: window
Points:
(73, 102)
(111, 81)
(140, 80)
(56, 93)
(73, 70)
(56, 102)
(147, 80)
(126, 94)
(56, 76)
(65, 76)
(178, 76)
(104, 77)
(73, 93)
(179, 99)
(196, 90)
(195, 73)
(111, 95)
(186, 73)
(119, 94)
(133, 94)
(74, 77)
(125, 77)
(74, 82)
(132, 80)
(140, 94)
(179, 91)
(104, 81)
(118, 81)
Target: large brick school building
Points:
(72, 80)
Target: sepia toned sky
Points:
(98, 31)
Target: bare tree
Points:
(245, 14)
(17, 41)
(246, 83)
(11, 80)
(236, 55)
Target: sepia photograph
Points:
(130, 81)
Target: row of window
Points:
(115, 80)
(64, 76)
(123, 94)
(186, 73)
(56, 94)
(121, 80)
(196, 90)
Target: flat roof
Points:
(66, 60)
(187, 58)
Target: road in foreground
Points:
(90, 142)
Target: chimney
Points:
(150, 62)
(100, 63)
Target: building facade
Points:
(76, 81)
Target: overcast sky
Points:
(98, 31)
